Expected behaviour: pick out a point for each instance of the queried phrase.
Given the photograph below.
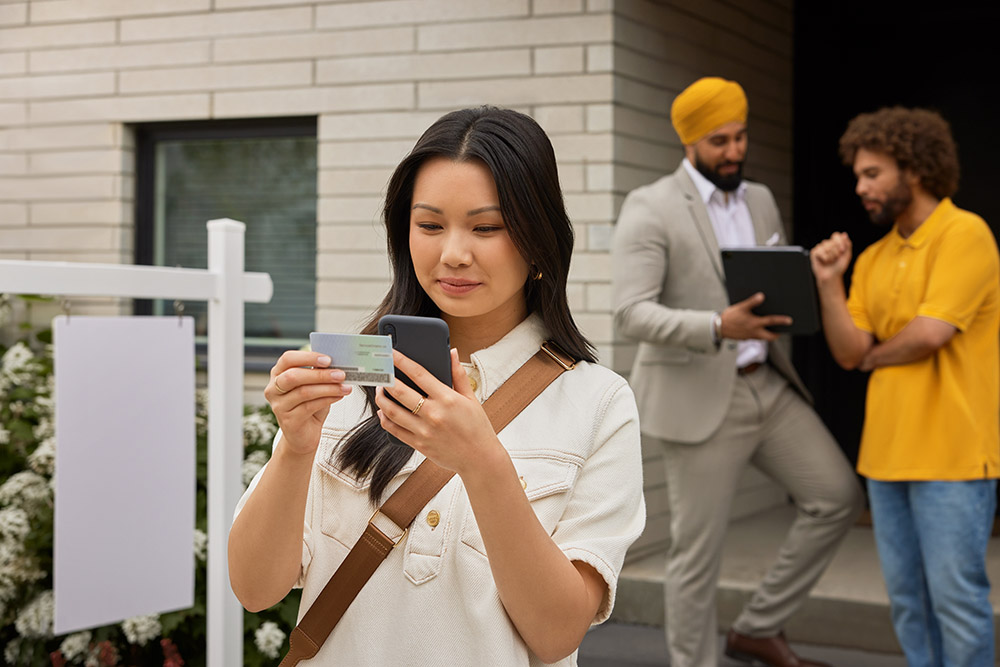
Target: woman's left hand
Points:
(450, 427)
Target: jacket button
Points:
(433, 518)
(473, 383)
(524, 485)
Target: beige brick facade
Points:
(599, 75)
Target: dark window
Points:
(261, 172)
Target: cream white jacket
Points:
(433, 601)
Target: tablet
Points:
(783, 274)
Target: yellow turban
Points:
(705, 105)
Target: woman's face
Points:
(462, 252)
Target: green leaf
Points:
(253, 658)
(170, 621)
(288, 609)
(251, 622)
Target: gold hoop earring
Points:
(536, 273)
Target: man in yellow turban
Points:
(715, 386)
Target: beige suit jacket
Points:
(668, 280)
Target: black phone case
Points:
(423, 339)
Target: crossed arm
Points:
(856, 348)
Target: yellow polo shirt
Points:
(936, 419)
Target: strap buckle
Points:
(371, 522)
(550, 349)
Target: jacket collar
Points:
(698, 212)
(756, 201)
(495, 364)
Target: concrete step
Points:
(848, 607)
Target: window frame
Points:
(147, 135)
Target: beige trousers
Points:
(769, 426)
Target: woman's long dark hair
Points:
(520, 158)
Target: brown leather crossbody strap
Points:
(402, 507)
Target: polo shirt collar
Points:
(496, 363)
(941, 212)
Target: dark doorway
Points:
(855, 56)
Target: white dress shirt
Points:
(733, 227)
(433, 601)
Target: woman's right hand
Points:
(301, 391)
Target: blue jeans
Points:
(931, 539)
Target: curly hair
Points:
(918, 139)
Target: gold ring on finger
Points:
(278, 387)
(420, 404)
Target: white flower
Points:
(9, 551)
(269, 639)
(35, 620)
(14, 524)
(14, 363)
(43, 459)
(201, 400)
(46, 428)
(16, 567)
(75, 647)
(257, 428)
(201, 411)
(4, 435)
(8, 589)
(200, 545)
(26, 489)
(252, 465)
(12, 651)
(140, 629)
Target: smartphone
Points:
(423, 339)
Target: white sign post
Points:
(226, 288)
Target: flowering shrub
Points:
(27, 465)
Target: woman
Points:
(514, 559)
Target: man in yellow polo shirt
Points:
(924, 316)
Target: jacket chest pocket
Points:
(346, 511)
(546, 479)
(430, 532)
(345, 508)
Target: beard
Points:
(726, 183)
(895, 203)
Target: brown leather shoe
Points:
(770, 651)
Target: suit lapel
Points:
(763, 227)
(699, 215)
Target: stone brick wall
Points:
(74, 76)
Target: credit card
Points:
(367, 360)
